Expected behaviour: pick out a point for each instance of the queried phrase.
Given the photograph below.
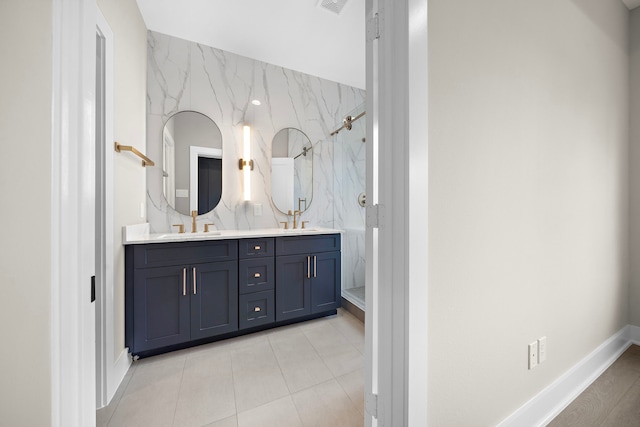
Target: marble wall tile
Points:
(183, 75)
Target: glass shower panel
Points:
(350, 215)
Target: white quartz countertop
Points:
(139, 234)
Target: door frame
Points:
(110, 368)
(72, 329)
(396, 318)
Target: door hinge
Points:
(375, 216)
(371, 404)
(373, 28)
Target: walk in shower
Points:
(349, 189)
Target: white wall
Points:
(528, 216)
(25, 185)
(634, 156)
(130, 71)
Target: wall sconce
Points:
(246, 164)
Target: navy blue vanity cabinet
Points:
(214, 301)
(180, 292)
(160, 308)
(308, 275)
(256, 282)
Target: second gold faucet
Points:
(296, 215)
(194, 226)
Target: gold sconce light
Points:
(246, 163)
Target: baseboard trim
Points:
(547, 404)
(634, 334)
(120, 368)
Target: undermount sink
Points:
(299, 230)
(188, 235)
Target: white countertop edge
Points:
(134, 237)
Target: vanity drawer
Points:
(255, 275)
(256, 309)
(180, 253)
(254, 248)
(307, 244)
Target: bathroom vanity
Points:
(183, 290)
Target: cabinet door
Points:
(161, 308)
(214, 299)
(325, 282)
(293, 297)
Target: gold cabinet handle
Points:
(308, 267)
(184, 281)
(256, 309)
(314, 266)
(194, 281)
(256, 248)
(256, 275)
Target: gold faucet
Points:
(295, 223)
(194, 226)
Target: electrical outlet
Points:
(257, 209)
(533, 354)
(542, 349)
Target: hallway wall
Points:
(25, 185)
(528, 175)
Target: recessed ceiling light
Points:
(256, 102)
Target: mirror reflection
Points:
(291, 170)
(191, 162)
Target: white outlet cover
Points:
(533, 354)
(542, 349)
(257, 209)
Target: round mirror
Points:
(191, 163)
(291, 170)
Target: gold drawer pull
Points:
(256, 248)
(256, 275)
(256, 309)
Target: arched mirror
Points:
(191, 163)
(291, 170)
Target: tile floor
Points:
(307, 374)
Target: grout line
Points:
(175, 409)
(275, 356)
(233, 385)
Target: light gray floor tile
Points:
(353, 385)
(256, 376)
(152, 403)
(335, 350)
(206, 392)
(327, 405)
(351, 328)
(248, 381)
(301, 365)
(280, 413)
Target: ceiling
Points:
(631, 4)
(294, 34)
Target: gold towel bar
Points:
(145, 160)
